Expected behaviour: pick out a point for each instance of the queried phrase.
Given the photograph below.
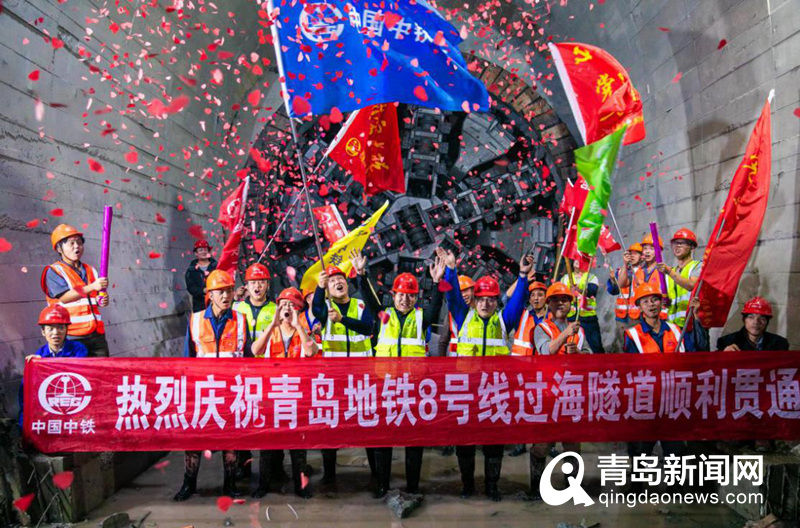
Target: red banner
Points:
(142, 404)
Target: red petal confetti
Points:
(336, 115)
(254, 97)
(33, 223)
(258, 245)
(383, 316)
(664, 29)
(177, 104)
(300, 106)
(57, 212)
(391, 19)
(797, 112)
(420, 93)
(5, 245)
(196, 231)
(722, 44)
(239, 501)
(223, 503)
(154, 255)
(95, 166)
(303, 480)
(34, 75)
(63, 480)
(132, 157)
(24, 502)
(56, 43)
(161, 465)
(160, 219)
(677, 77)
(445, 286)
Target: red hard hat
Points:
(294, 296)
(405, 283)
(61, 232)
(202, 243)
(557, 289)
(53, 315)
(256, 271)
(465, 283)
(487, 286)
(758, 306)
(330, 271)
(648, 240)
(685, 234)
(536, 285)
(219, 280)
(645, 290)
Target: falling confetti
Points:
(63, 480)
(5, 245)
(24, 502)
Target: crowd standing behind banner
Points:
(327, 319)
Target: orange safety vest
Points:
(452, 346)
(231, 342)
(553, 332)
(625, 307)
(84, 314)
(276, 349)
(655, 282)
(523, 338)
(647, 345)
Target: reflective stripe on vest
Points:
(679, 295)
(336, 336)
(275, 348)
(645, 343)
(655, 282)
(452, 346)
(589, 304)
(412, 339)
(265, 317)
(471, 340)
(84, 313)
(625, 307)
(231, 342)
(553, 331)
(523, 338)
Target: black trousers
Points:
(191, 462)
(466, 463)
(95, 343)
(270, 461)
(383, 464)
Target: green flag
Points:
(595, 162)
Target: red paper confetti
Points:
(95, 166)
(677, 77)
(160, 219)
(336, 115)
(154, 255)
(34, 75)
(444, 286)
(722, 44)
(258, 245)
(300, 106)
(57, 212)
(420, 93)
(797, 112)
(132, 157)
(383, 316)
(33, 223)
(5, 245)
(303, 480)
(24, 502)
(161, 465)
(63, 480)
(254, 97)
(223, 503)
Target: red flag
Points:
(570, 248)
(574, 196)
(368, 146)
(231, 216)
(330, 222)
(600, 92)
(606, 243)
(737, 228)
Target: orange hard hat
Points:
(558, 289)
(635, 247)
(487, 286)
(61, 232)
(219, 280)
(294, 296)
(536, 285)
(306, 293)
(330, 271)
(256, 271)
(405, 283)
(53, 315)
(758, 306)
(648, 240)
(645, 290)
(465, 283)
(685, 234)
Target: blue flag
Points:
(350, 55)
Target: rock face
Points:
(403, 504)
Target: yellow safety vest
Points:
(336, 337)
(680, 296)
(471, 341)
(410, 337)
(265, 317)
(589, 304)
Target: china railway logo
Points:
(65, 393)
(321, 22)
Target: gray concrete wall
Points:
(43, 164)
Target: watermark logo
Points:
(574, 490)
(65, 393)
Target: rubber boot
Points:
(277, 473)
(466, 465)
(491, 468)
(537, 470)
(329, 468)
(413, 468)
(298, 457)
(264, 474)
(383, 468)
(187, 489)
(229, 488)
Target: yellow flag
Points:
(339, 253)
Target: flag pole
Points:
(619, 232)
(278, 229)
(565, 233)
(305, 191)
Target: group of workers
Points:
(535, 319)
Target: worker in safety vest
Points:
(555, 335)
(347, 326)
(626, 313)
(402, 334)
(647, 273)
(586, 282)
(258, 311)
(216, 332)
(756, 315)
(523, 338)
(287, 337)
(75, 285)
(449, 345)
(483, 331)
(681, 278)
(53, 322)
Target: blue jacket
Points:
(511, 313)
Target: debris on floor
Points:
(402, 504)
